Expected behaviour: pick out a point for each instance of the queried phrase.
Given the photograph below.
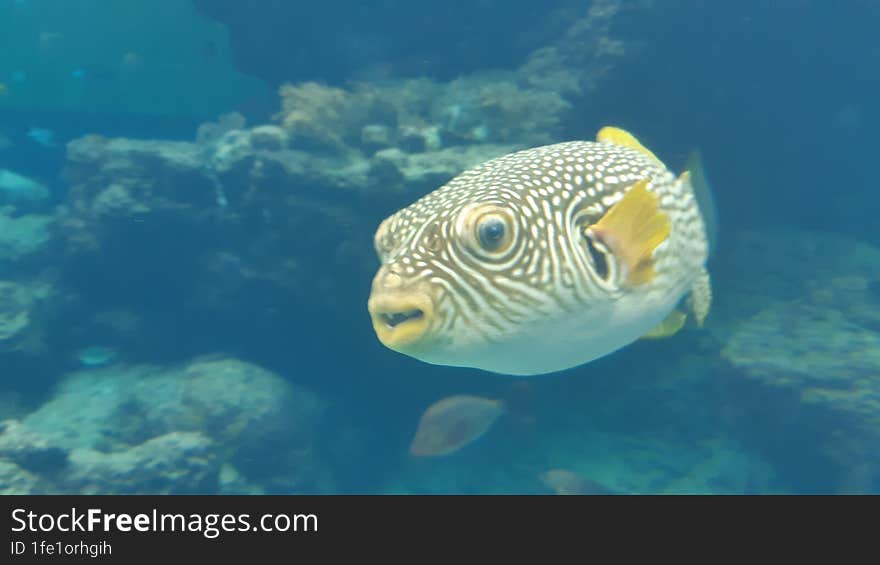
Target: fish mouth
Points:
(394, 319)
(400, 320)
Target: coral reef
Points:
(420, 114)
(164, 430)
(585, 53)
(21, 192)
(177, 462)
(819, 332)
(18, 302)
(30, 450)
(15, 480)
(22, 238)
(806, 325)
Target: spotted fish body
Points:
(541, 260)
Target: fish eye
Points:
(493, 233)
(488, 231)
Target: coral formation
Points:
(22, 237)
(418, 115)
(816, 328)
(151, 429)
(177, 462)
(807, 325)
(586, 52)
(17, 304)
(21, 192)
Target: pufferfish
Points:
(544, 259)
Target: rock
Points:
(394, 169)
(803, 331)
(174, 463)
(250, 415)
(412, 139)
(375, 136)
(22, 237)
(230, 481)
(315, 116)
(211, 132)
(819, 351)
(17, 302)
(30, 450)
(238, 404)
(95, 162)
(587, 50)
(268, 138)
(15, 480)
(21, 192)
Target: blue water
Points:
(194, 289)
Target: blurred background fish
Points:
(454, 422)
(96, 356)
(42, 136)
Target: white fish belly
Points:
(568, 342)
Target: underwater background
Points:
(189, 192)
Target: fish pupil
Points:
(492, 233)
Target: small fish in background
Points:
(5, 142)
(43, 136)
(454, 422)
(78, 73)
(19, 76)
(563, 481)
(3, 89)
(96, 356)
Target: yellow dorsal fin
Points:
(632, 229)
(617, 136)
(670, 326)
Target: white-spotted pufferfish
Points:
(543, 259)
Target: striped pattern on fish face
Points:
(494, 271)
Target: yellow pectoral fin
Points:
(670, 326)
(632, 229)
(622, 137)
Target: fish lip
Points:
(394, 319)
(400, 320)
